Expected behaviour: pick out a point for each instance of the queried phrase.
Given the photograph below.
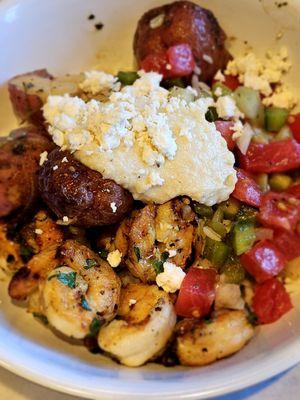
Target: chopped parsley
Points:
(137, 253)
(84, 304)
(158, 266)
(95, 326)
(103, 254)
(164, 256)
(90, 263)
(26, 252)
(66, 278)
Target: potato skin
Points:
(81, 194)
(184, 22)
(19, 164)
(27, 107)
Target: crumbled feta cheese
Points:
(157, 21)
(65, 219)
(114, 258)
(64, 159)
(260, 74)
(170, 280)
(43, 157)
(237, 129)
(228, 295)
(227, 108)
(172, 253)
(55, 167)
(96, 82)
(142, 127)
(38, 231)
(132, 302)
(208, 59)
(219, 76)
(282, 97)
(113, 207)
(218, 92)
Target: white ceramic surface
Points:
(57, 34)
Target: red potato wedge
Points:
(29, 92)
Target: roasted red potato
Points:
(183, 22)
(28, 92)
(19, 163)
(72, 190)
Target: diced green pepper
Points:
(216, 252)
(275, 118)
(246, 213)
(243, 236)
(222, 89)
(127, 77)
(211, 114)
(234, 272)
(280, 182)
(218, 215)
(218, 227)
(230, 208)
(203, 211)
(248, 101)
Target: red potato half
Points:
(28, 92)
(183, 22)
(75, 191)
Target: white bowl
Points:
(57, 34)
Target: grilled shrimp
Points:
(145, 324)
(82, 288)
(42, 238)
(156, 230)
(10, 259)
(199, 343)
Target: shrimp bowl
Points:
(149, 195)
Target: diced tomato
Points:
(224, 127)
(294, 125)
(288, 243)
(197, 293)
(294, 190)
(263, 261)
(181, 60)
(246, 189)
(279, 210)
(271, 301)
(231, 82)
(275, 156)
(177, 61)
(155, 62)
(264, 233)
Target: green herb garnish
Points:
(103, 254)
(164, 256)
(95, 326)
(84, 304)
(26, 252)
(66, 278)
(90, 263)
(137, 253)
(158, 266)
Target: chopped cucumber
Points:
(230, 208)
(203, 211)
(127, 77)
(216, 252)
(218, 89)
(248, 101)
(280, 182)
(211, 114)
(234, 272)
(183, 94)
(243, 236)
(283, 134)
(275, 118)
